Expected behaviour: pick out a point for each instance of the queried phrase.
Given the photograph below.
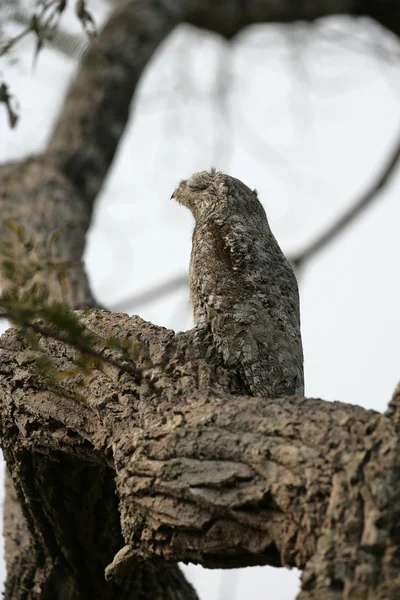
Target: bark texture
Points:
(178, 465)
(202, 473)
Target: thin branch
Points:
(355, 210)
(10, 103)
(69, 44)
(153, 293)
(6, 47)
(44, 23)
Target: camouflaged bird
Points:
(241, 285)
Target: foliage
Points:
(26, 304)
(43, 24)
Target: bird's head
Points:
(202, 193)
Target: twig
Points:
(6, 47)
(153, 293)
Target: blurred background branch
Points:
(298, 261)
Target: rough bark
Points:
(66, 559)
(64, 556)
(202, 474)
(178, 466)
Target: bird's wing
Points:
(246, 329)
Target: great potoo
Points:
(241, 285)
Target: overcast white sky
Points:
(306, 115)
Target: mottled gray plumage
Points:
(242, 286)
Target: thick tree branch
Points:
(48, 559)
(204, 474)
(96, 109)
(385, 12)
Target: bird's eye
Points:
(199, 181)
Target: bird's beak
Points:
(175, 193)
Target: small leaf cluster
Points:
(28, 307)
(43, 24)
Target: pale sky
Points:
(306, 115)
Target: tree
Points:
(161, 459)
